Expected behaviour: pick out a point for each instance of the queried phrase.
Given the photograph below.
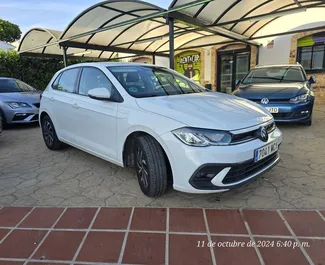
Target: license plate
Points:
(265, 151)
(273, 110)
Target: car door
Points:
(95, 120)
(64, 88)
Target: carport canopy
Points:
(131, 27)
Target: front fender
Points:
(146, 122)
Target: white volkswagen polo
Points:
(166, 126)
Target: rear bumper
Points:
(291, 113)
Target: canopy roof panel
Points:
(248, 17)
(135, 27)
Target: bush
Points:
(35, 71)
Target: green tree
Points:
(9, 32)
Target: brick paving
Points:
(32, 175)
(80, 236)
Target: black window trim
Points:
(118, 99)
(311, 71)
(58, 78)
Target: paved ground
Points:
(160, 236)
(32, 175)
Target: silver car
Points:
(19, 102)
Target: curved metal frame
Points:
(202, 37)
(267, 23)
(251, 11)
(226, 11)
(180, 35)
(102, 4)
(37, 29)
(172, 13)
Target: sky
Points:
(51, 14)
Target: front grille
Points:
(283, 115)
(248, 136)
(279, 101)
(246, 170)
(37, 105)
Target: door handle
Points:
(52, 98)
(75, 105)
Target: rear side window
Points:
(67, 81)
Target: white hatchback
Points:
(169, 128)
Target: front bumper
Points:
(231, 165)
(291, 112)
(21, 115)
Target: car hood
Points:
(27, 97)
(271, 91)
(209, 110)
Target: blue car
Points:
(283, 90)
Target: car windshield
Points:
(145, 81)
(12, 85)
(275, 75)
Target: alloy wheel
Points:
(48, 133)
(142, 168)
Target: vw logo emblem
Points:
(265, 101)
(263, 135)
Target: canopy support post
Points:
(171, 43)
(153, 59)
(65, 60)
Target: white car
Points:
(166, 126)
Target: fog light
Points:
(21, 114)
(305, 112)
(205, 175)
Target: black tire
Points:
(310, 121)
(150, 158)
(49, 135)
(2, 116)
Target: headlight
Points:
(300, 99)
(16, 105)
(202, 137)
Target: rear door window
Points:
(67, 81)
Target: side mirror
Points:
(238, 82)
(312, 80)
(100, 93)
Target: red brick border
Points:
(30, 236)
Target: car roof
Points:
(6, 78)
(108, 64)
(278, 65)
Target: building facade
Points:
(219, 67)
